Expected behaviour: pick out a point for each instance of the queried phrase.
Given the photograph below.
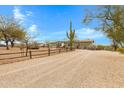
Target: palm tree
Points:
(71, 36)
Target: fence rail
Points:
(31, 54)
(12, 53)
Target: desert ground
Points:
(76, 69)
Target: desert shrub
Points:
(100, 47)
(21, 46)
(34, 45)
(121, 50)
(92, 47)
(109, 48)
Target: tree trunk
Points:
(7, 46)
(12, 44)
(6, 40)
(115, 47)
(26, 49)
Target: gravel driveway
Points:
(80, 68)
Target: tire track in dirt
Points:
(63, 70)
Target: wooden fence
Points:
(19, 56)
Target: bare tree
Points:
(28, 39)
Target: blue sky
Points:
(51, 22)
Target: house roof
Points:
(86, 41)
(79, 41)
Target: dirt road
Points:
(80, 68)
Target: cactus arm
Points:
(67, 35)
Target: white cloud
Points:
(33, 31)
(18, 15)
(29, 13)
(23, 18)
(33, 28)
(82, 34)
(87, 33)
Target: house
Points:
(83, 44)
(79, 44)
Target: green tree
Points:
(111, 22)
(16, 33)
(5, 23)
(71, 36)
(10, 30)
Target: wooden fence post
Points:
(66, 49)
(30, 54)
(48, 51)
(59, 50)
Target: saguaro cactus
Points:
(71, 36)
